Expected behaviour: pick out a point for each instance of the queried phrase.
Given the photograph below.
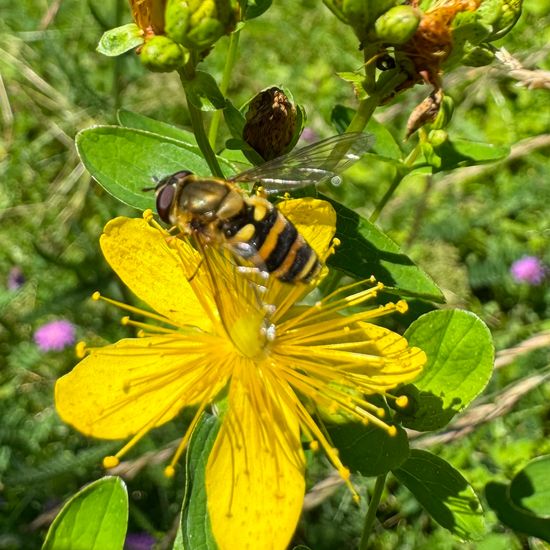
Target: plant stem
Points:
(398, 178)
(198, 127)
(117, 65)
(371, 512)
(224, 84)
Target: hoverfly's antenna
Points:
(156, 180)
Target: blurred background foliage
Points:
(465, 228)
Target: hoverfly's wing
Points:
(310, 165)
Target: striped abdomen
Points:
(271, 242)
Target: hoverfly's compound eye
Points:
(165, 196)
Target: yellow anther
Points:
(169, 471)
(148, 215)
(125, 320)
(96, 295)
(402, 401)
(401, 306)
(392, 431)
(141, 333)
(336, 242)
(380, 413)
(80, 350)
(314, 446)
(110, 462)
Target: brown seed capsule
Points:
(270, 123)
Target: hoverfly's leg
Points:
(259, 191)
(189, 279)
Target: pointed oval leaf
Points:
(194, 530)
(119, 40)
(460, 362)
(94, 519)
(530, 488)
(366, 251)
(516, 518)
(369, 450)
(130, 119)
(203, 92)
(125, 161)
(444, 493)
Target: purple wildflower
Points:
(16, 279)
(55, 335)
(139, 541)
(528, 269)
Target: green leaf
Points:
(234, 119)
(195, 530)
(203, 92)
(460, 362)
(384, 147)
(93, 519)
(369, 450)
(119, 40)
(366, 251)
(255, 8)
(130, 119)
(444, 493)
(125, 161)
(446, 153)
(530, 488)
(512, 516)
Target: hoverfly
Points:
(218, 212)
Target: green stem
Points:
(198, 126)
(224, 84)
(398, 178)
(117, 65)
(371, 512)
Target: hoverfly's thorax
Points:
(209, 199)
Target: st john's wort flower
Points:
(55, 336)
(214, 331)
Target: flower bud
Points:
(198, 24)
(397, 25)
(445, 113)
(502, 15)
(162, 55)
(477, 56)
(270, 123)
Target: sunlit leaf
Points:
(121, 39)
(137, 121)
(530, 488)
(125, 161)
(514, 517)
(460, 355)
(93, 519)
(366, 251)
(195, 531)
(444, 493)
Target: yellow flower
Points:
(274, 360)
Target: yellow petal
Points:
(255, 473)
(152, 270)
(314, 219)
(136, 383)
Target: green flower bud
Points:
(477, 56)
(198, 24)
(437, 138)
(502, 15)
(359, 14)
(445, 113)
(397, 25)
(162, 55)
(270, 123)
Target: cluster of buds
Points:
(426, 38)
(172, 29)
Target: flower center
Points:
(250, 335)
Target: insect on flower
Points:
(220, 213)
